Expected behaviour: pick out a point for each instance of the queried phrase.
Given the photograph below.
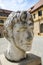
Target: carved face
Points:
(23, 32)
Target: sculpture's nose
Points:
(29, 37)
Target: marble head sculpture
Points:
(19, 32)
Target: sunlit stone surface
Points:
(19, 32)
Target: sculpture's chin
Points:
(25, 47)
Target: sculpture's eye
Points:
(21, 29)
(30, 24)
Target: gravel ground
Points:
(37, 46)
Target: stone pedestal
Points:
(30, 59)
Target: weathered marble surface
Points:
(19, 32)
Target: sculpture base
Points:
(30, 59)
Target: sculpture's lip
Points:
(26, 47)
(29, 42)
